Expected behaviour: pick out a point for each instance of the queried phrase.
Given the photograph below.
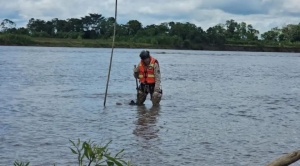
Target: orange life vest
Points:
(146, 73)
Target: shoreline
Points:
(203, 48)
(101, 43)
(254, 48)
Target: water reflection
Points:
(146, 122)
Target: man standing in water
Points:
(148, 73)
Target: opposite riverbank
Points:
(22, 40)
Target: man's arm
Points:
(157, 76)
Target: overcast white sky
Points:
(262, 14)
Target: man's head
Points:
(145, 57)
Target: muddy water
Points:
(218, 108)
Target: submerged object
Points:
(132, 103)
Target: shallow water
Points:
(218, 108)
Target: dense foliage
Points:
(172, 34)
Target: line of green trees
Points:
(175, 34)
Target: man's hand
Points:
(156, 89)
(136, 75)
(136, 72)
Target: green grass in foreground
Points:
(90, 154)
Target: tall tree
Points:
(7, 24)
(133, 26)
(216, 34)
(187, 31)
(272, 35)
(92, 22)
(291, 32)
(61, 25)
(252, 34)
(242, 30)
(107, 27)
(232, 29)
(75, 24)
(36, 25)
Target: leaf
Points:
(82, 146)
(72, 142)
(88, 152)
(107, 144)
(91, 153)
(99, 156)
(109, 163)
(78, 142)
(81, 158)
(73, 151)
(17, 163)
(124, 162)
(119, 152)
(114, 160)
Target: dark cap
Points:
(145, 54)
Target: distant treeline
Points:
(172, 34)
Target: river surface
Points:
(218, 108)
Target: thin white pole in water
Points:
(112, 52)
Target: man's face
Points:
(146, 61)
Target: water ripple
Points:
(218, 108)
